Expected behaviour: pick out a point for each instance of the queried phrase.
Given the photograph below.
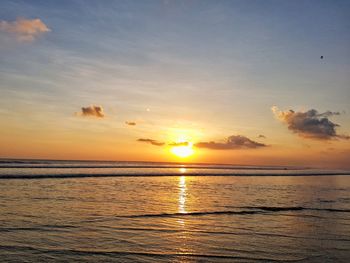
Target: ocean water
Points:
(70, 211)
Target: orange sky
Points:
(127, 82)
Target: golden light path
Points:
(182, 194)
(183, 236)
(182, 197)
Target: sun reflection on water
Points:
(182, 194)
(183, 237)
(183, 170)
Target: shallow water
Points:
(175, 218)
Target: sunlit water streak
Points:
(174, 218)
(182, 194)
(182, 197)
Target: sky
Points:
(239, 82)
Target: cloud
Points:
(151, 141)
(310, 124)
(175, 144)
(92, 111)
(261, 136)
(233, 142)
(130, 123)
(25, 30)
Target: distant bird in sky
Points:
(321, 57)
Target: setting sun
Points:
(182, 151)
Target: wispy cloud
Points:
(158, 143)
(310, 124)
(130, 123)
(233, 142)
(151, 141)
(178, 144)
(92, 111)
(25, 30)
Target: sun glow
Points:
(181, 143)
(182, 151)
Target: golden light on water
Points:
(183, 170)
(182, 194)
(183, 236)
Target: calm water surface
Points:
(175, 218)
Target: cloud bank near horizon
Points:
(151, 141)
(233, 142)
(310, 124)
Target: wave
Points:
(114, 254)
(64, 228)
(295, 208)
(193, 214)
(239, 233)
(43, 228)
(149, 166)
(62, 175)
(45, 169)
(251, 210)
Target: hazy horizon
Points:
(175, 162)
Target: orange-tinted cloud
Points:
(92, 111)
(158, 143)
(151, 141)
(310, 124)
(25, 30)
(178, 144)
(130, 123)
(232, 143)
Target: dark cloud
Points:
(130, 123)
(310, 124)
(178, 144)
(151, 141)
(261, 136)
(325, 114)
(233, 142)
(94, 111)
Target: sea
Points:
(94, 211)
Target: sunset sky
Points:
(239, 82)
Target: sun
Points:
(182, 151)
(181, 143)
